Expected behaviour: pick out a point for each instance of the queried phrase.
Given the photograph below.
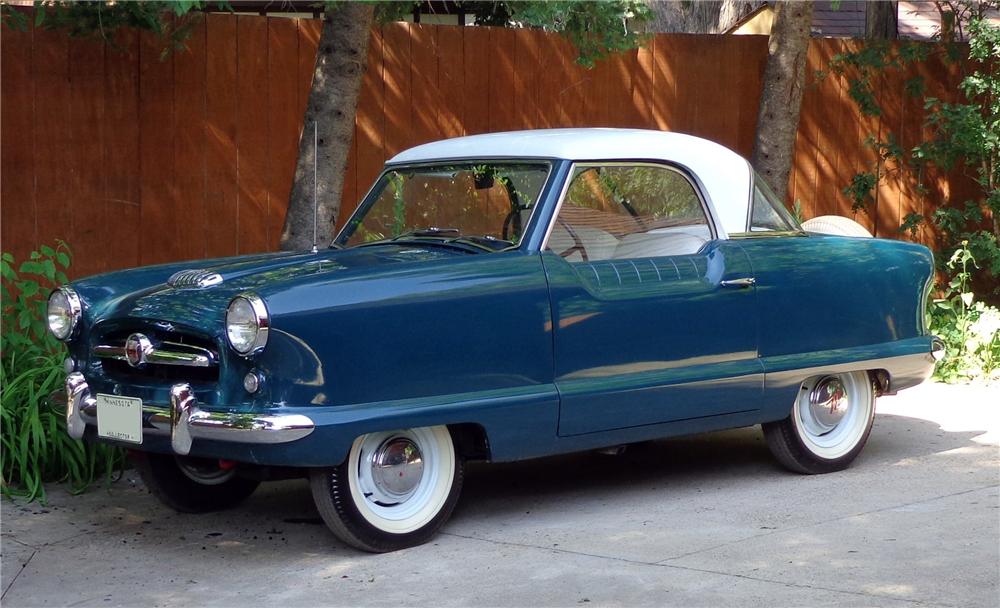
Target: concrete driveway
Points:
(707, 520)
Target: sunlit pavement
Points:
(707, 520)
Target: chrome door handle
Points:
(739, 283)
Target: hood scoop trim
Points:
(194, 279)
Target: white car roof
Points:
(726, 176)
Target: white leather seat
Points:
(662, 242)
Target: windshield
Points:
(486, 204)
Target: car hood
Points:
(146, 293)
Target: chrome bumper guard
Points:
(184, 422)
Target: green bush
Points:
(970, 329)
(36, 448)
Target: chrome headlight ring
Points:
(247, 324)
(63, 312)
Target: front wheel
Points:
(829, 425)
(191, 485)
(395, 490)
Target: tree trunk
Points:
(340, 63)
(781, 97)
(703, 17)
(880, 19)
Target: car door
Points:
(654, 318)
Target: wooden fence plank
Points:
(53, 142)
(451, 82)
(501, 108)
(221, 98)
(425, 95)
(17, 149)
(370, 133)
(396, 66)
(283, 122)
(190, 89)
(86, 166)
(252, 135)
(527, 65)
(476, 88)
(121, 151)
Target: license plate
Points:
(119, 418)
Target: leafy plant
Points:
(102, 18)
(969, 329)
(964, 136)
(597, 29)
(35, 446)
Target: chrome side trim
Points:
(195, 356)
(184, 422)
(905, 371)
(739, 283)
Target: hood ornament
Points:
(194, 279)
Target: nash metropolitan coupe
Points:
(497, 297)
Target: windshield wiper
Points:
(486, 242)
(431, 231)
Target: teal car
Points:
(497, 297)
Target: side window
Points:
(768, 214)
(618, 212)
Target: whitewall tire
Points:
(395, 490)
(829, 424)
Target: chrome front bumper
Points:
(184, 422)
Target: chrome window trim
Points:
(767, 234)
(714, 227)
(761, 233)
(507, 160)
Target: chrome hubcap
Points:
(828, 403)
(397, 467)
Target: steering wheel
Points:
(577, 243)
(515, 214)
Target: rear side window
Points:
(768, 214)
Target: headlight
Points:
(63, 312)
(246, 324)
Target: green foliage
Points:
(102, 18)
(860, 190)
(964, 136)
(35, 446)
(797, 212)
(597, 29)
(970, 329)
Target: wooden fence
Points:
(133, 159)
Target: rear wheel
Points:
(191, 485)
(829, 424)
(395, 490)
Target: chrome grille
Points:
(148, 355)
(194, 279)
